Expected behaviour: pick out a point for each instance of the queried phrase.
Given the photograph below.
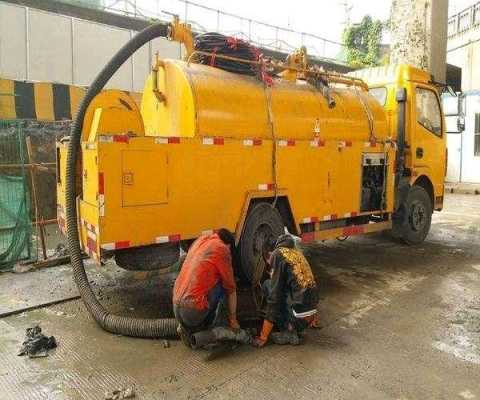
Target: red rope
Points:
(233, 42)
(213, 57)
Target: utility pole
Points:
(419, 35)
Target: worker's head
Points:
(285, 240)
(272, 243)
(228, 238)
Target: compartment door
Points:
(144, 177)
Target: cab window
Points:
(380, 93)
(428, 111)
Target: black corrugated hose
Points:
(153, 328)
(217, 43)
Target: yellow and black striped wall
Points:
(41, 101)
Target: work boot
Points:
(285, 337)
(184, 336)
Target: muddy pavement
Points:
(396, 323)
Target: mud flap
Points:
(398, 217)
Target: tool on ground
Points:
(36, 344)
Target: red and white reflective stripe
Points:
(123, 244)
(101, 183)
(286, 142)
(370, 144)
(168, 238)
(350, 214)
(114, 138)
(317, 143)
(309, 220)
(308, 237)
(345, 143)
(219, 141)
(101, 194)
(252, 142)
(105, 139)
(91, 244)
(266, 186)
(90, 227)
(353, 230)
(101, 205)
(167, 140)
(330, 217)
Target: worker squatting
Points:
(205, 288)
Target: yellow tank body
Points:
(206, 143)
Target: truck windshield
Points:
(428, 111)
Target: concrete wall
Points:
(419, 34)
(38, 45)
(464, 45)
(463, 164)
(467, 58)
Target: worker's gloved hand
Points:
(260, 340)
(233, 323)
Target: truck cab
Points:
(423, 125)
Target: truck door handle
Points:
(419, 152)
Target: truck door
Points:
(428, 139)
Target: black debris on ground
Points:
(36, 344)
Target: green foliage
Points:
(362, 43)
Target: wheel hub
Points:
(418, 216)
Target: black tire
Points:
(263, 222)
(148, 258)
(413, 220)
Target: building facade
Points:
(463, 113)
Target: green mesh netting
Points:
(15, 222)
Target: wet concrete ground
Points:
(396, 323)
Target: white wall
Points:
(463, 48)
(13, 41)
(470, 163)
(50, 44)
(41, 46)
(463, 165)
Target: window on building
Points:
(476, 132)
(428, 111)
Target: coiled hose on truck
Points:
(137, 327)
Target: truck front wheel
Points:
(414, 217)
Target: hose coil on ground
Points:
(111, 323)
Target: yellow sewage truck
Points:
(319, 154)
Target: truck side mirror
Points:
(460, 123)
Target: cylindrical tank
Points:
(206, 101)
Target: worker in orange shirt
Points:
(206, 279)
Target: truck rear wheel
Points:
(263, 222)
(415, 217)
